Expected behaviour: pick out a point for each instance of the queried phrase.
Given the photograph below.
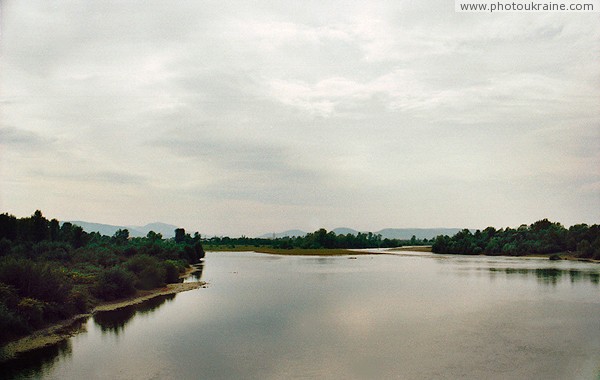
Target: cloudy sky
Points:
(239, 117)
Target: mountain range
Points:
(168, 231)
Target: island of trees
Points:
(320, 239)
(541, 237)
(50, 272)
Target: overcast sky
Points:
(249, 117)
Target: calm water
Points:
(415, 316)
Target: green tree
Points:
(39, 227)
(121, 236)
(179, 235)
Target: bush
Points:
(57, 251)
(140, 262)
(151, 277)
(171, 272)
(8, 296)
(78, 301)
(44, 282)
(11, 324)
(114, 283)
(32, 311)
(4, 247)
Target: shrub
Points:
(78, 301)
(44, 282)
(171, 272)
(57, 251)
(4, 246)
(140, 262)
(11, 324)
(114, 283)
(32, 311)
(8, 296)
(151, 277)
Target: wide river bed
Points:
(405, 315)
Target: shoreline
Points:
(311, 252)
(61, 330)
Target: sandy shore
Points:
(62, 330)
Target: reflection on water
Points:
(36, 364)
(380, 316)
(196, 275)
(551, 276)
(32, 365)
(116, 320)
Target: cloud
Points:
(21, 139)
(287, 112)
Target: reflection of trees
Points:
(35, 364)
(196, 275)
(552, 276)
(116, 320)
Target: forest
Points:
(315, 240)
(51, 271)
(541, 237)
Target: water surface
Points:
(408, 316)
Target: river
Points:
(406, 315)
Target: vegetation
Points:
(50, 271)
(321, 239)
(541, 237)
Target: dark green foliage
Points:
(179, 235)
(114, 283)
(5, 246)
(171, 272)
(11, 323)
(50, 271)
(39, 226)
(315, 240)
(121, 236)
(149, 271)
(8, 227)
(35, 280)
(541, 237)
(140, 262)
(151, 277)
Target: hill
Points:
(167, 230)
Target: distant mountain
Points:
(289, 233)
(167, 230)
(344, 231)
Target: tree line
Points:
(541, 237)
(50, 271)
(316, 240)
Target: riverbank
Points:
(308, 252)
(57, 332)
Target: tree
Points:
(153, 236)
(39, 226)
(54, 229)
(179, 235)
(121, 236)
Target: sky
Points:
(244, 118)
